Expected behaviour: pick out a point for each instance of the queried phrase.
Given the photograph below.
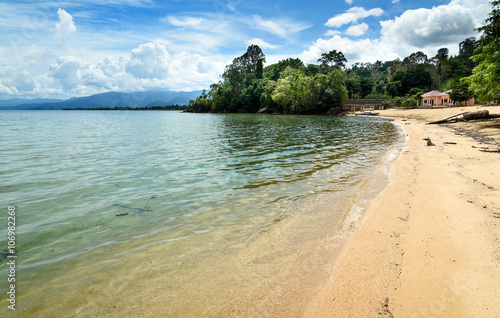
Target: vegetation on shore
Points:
(485, 78)
(172, 107)
(291, 87)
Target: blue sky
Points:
(63, 49)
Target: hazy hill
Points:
(114, 99)
(20, 101)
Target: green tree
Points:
(273, 71)
(443, 53)
(417, 77)
(462, 65)
(244, 69)
(394, 88)
(365, 86)
(415, 59)
(485, 78)
(461, 93)
(300, 94)
(440, 70)
(333, 58)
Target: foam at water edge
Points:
(375, 184)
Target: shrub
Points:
(398, 102)
(386, 104)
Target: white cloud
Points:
(422, 28)
(365, 50)
(13, 81)
(357, 30)
(184, 22)
(111, 66)
(349, 2)
(332, 33)
(149, 66)
(202, 34)
(192, 72)
(281, 27)
(7, 90)
(352, 16)
(65, 25)
(150, 60)
(262, 44)
(67, 71)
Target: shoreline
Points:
(428, 245)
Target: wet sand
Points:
(429, 245)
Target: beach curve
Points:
(428, 246)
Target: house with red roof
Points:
(437, 98)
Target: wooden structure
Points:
(354, 105)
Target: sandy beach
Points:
(429, 245)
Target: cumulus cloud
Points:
(352, 16)
(262, 44)
(65, 26)
(366, 50)
(148, 67)
(13, 81)
(150, 60)
(111, 66)
(67, 71)
(357, 30)
(349, 2)
(428, 27)
(424, 30)
(192, 72)
(74, 73)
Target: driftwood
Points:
(476, 115)
(487, 149)
(482, 114)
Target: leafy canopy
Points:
(485, 78)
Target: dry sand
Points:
(429, 245)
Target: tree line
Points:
(172, 107)
(291, 87)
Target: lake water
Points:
(124, 213)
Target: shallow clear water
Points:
(84, 182)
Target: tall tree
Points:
(443, 53)
(415, 59)
(333, 58)
(252, 57)
(244, 69)
(273, 71)
(485, 78)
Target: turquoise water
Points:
(84, 182)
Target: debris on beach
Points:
(482, 114)
(429, 142)
(487, 149)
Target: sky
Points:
(63, 49)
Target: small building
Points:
(437, 98)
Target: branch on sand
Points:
(482, 114)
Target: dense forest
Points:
(291, 87)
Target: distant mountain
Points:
(115, 99)
(20, 101)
